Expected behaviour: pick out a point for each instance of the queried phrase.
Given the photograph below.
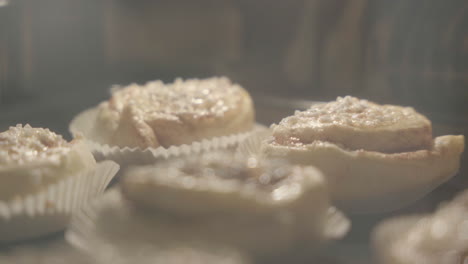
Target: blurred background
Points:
(58, 57)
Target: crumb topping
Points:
(20, 145)
(353, 112)
(206, 97)
(356, 124)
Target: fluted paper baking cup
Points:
(109, 231)
(83, 124)
(378, 187)
(251, 145)
(50, 210)
(111, 227)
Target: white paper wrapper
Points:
(114, 232)
(251, 145)
(109, 231)
(365, 193)
(50, 210)
(83, 124)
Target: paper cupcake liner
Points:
(398, 197)
(50, 210)
(109, 226)
(108, 231)
(83, 124)
(251, 145)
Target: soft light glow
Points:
(4, 3)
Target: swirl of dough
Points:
(158, 114)
(357, 124)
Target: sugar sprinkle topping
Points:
(206, 97)
(353, 112)
(20, 145)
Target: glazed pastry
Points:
(374, 156)
(158, 114)
(267, 205)
(438, 238)
(33, 158)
